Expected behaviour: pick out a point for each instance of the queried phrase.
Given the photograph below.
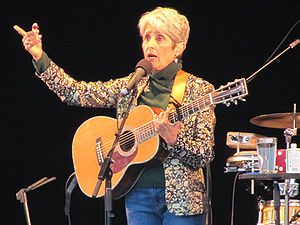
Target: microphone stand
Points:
(105, 170)
(22, 197)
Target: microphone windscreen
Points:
(145, 64)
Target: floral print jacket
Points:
(184, 179)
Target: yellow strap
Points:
(179, 87)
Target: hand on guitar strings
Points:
(165, 129)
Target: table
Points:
(276, 192)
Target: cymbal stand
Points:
(289, 133)
(286, 202)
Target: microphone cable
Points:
(285, 37)
(233, 197)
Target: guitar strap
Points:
(179, 87)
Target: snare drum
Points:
(268, 212)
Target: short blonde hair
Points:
(168, 21)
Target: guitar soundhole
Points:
(127, 141)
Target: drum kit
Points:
(246, 161)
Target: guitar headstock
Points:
(232, 92)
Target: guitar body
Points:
(95, 137)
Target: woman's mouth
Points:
(151, 56)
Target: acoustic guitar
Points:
(138, 146)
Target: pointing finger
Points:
(20, 30)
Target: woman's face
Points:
(158, 48)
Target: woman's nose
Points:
(151, 42)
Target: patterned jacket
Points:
(185, 186)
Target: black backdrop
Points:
(95, 40)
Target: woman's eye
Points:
(160, 38)
(147, 37)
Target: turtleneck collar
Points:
(167, 73)
(160, 86)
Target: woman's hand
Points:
(32, 41)
(165, 129)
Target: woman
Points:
(174, 192)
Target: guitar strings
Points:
(183, 110)
(149, 127)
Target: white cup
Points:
(266, 150)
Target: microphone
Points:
(142, 68)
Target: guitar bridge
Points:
(99, 151)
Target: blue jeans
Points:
(147, 206)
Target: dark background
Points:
(95, 40)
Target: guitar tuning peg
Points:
(227, 104)
(235, 102)
(243, 99)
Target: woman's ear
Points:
(179, 48)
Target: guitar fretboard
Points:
(189, 109)
(147, 130)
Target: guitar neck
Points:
(147, 130)
(189, 109)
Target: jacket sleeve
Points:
(195, 141)
(81, 93)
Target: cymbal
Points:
(277, 120)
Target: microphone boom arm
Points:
(292, 45)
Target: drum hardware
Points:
(292, 191)
(290, 187)
(288, 134)
(267, 212)
(244, 161)
(291, 132)
(242, 140)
